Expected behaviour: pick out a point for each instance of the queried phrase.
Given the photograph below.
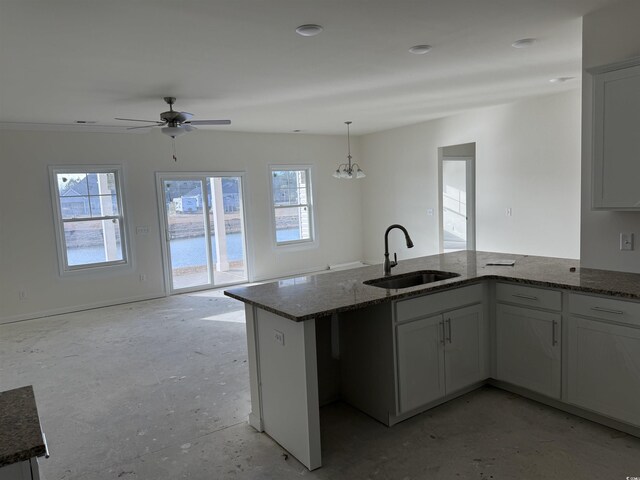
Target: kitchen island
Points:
(300, 329)
(21, 437)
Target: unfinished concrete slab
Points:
(159, 390)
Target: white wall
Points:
(527, 158)
(27, 242)
(609, 35)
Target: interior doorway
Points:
(203, 230)
(457, 197)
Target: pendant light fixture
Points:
(348, 170)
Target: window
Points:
(89, 218)
(292, 205)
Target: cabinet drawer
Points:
(529, 296)
(438, 302)
(605, 308)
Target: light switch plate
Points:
(278, 336)
(626, 241)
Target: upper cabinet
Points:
(616, 136)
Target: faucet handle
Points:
(395, 260)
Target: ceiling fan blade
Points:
(143, 126)
(137, 120)
(209, 122)
(187, 116)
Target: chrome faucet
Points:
(388, 264)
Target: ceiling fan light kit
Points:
(173, 132)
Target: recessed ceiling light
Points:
(420, 49)
(309, 30)
(85, 121)
(523, 43)
(561, 79)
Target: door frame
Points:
(470, 173)
(164, 230)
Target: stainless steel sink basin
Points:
(413, 279)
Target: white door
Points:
(420, 362)
(528, 349)
(203, 223)
(457, 204)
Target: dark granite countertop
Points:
(309, 296)
(20, 433)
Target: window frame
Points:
(292, 244)
(59, 221)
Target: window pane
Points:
(292, 224)
(93, 241)
(289, 187)
(74, 207)
(72, 184)
(104, 206)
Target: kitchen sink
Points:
(412, 279)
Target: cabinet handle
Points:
(607, 310)
(527, 297)
(444, 337)
(449, 325)
(554, 340)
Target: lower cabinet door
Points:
(465, 348)
(528, 349)
(26, 470)
(420, 356)
(604, 368)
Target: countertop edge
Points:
(23, 455)
(23, 400)
(451, 283)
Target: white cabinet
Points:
(440, 355)
(465, 348)
(420, 362)
(528, 349)
(27, 470)
(604, 357)
(616, 143)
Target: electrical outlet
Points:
(278, 337)
(22, 294)
(508, 212)
(143, 277)
(430, 212)
(626, 241)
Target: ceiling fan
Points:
(175, 123)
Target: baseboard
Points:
(77, 308)
(567, 407)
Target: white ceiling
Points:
(68, 60)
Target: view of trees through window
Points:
(91, 219)
(292, 206)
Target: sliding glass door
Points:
(203, 230)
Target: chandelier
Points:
(349, 170)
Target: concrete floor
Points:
(159, 390)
